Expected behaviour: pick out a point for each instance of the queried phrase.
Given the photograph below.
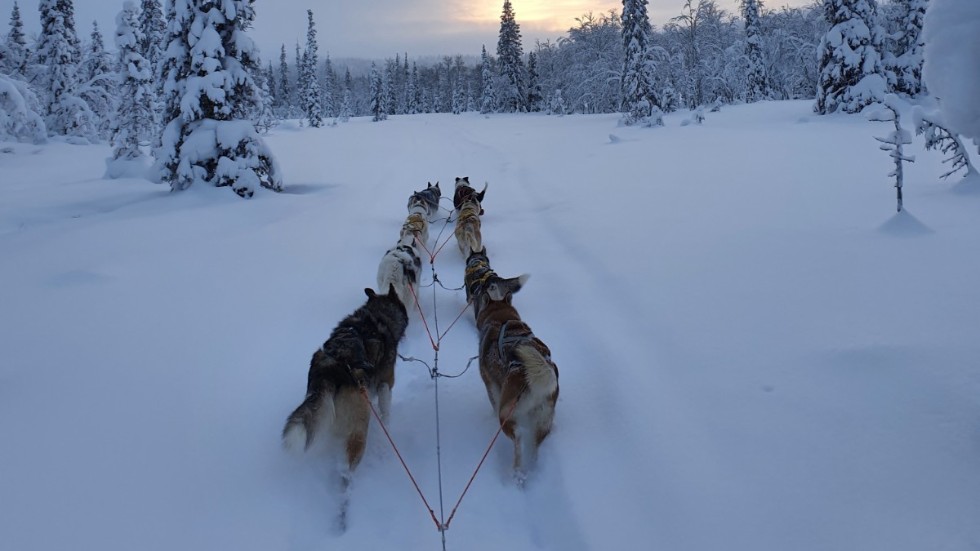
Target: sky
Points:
(382, 28)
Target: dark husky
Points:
(422, 206)
(359, 355)
(468, 205)
(516, 367)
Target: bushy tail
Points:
(542, 376)
(302, 425)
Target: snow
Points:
(753, 356)
(952, 62)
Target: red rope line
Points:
(435, 345)
(432, 513)
(482, 459)
(463, 311)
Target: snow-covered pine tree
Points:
(285, 102)
(757, 82)
(851, 72)
(411, 92)
(311, 93)
(488, 101)
(210, 141)
(272, 84)
(133, 117)
(378, 112)
(262, 115)
(459, 95)
(153, 29)
(557, 104)
(15, 60)
(97, 82)
(65, 112)
(894, 142)
(904, 62)
(534, 97)
(20, 112)
(389, 83)
(510, 62)
(300, 100)
(327, 89)
(937, 136)
(637, 90)
(67, 9)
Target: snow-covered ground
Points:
(754, 353)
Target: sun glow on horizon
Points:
(540, 15)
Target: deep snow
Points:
(755, 354)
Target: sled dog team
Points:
(360, 354)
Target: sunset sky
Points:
(382, 28)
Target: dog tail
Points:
(541, 373)
(302, 425)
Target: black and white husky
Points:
(401, 268)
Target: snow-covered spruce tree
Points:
(14, 62)
(285, 99)
(510, 63)
(636, 79)
(261, 114)
(97, 83)
(894, 142)
(411, 92)
(210, 91)
(488, 101)
(20, 112)
(65, 112)
(757, 82)
(459, 96)
(327, 93)
(534, 98)
(903, 56)
(851, 71)
(557, 104)
(378, 112)
(937, 136)
(153, 30)
(311, 90)
(134, 112)
(67, 9)
(388, 84)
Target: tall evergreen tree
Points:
(534, 97)
(636, 80)
(311, 92)
(15, 63)
(209, 61)
(97, 82)
(851, 71)
(57, 63)
(67, 9)
(411, 92)
(510, 62)
(757, 82)
(300, 100)
(133, 118)
(904, 63)
(285, 88)
(329, 84)
(153, 31)
(488, 101)
(377, 95)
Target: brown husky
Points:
(359, 355)
(521, 379)
(467, 203)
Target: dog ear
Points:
(391, 290)
(482, 194)
(370, 292)
(466, 179)
(501, 289)
(458, 180)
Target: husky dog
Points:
(401, 268)
(359, 355)
(516, 367)
(422, 206)
(467, 203)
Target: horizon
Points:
(422, 28)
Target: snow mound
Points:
(904, 224)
